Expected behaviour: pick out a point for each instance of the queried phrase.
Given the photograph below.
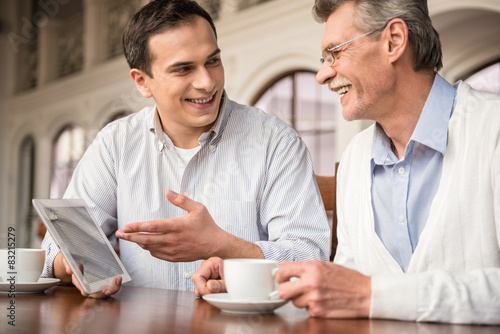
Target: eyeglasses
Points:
(329, 57)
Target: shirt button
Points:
(160, 146)
(187, 275)
(212, 147)
(401, 170)
(401, 218)
(186, 194)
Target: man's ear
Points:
(141, 82)
(396, 34)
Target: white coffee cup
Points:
(21, 265)
(250, 279)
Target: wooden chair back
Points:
(328, 188)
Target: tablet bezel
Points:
(90, 288)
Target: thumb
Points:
(216, 286)
(181, 201)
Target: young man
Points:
(418, 192)
(240, 183)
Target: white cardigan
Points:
(454, 273)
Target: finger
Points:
(77, 285)
(144, 238)
(80, 267)
(153, 226)
(182, 201)
(75, 282)
(108, 290)
(73, 277)
(209, 270)
(211, 286)
(114, 288)
(200, 281)
(201, 290)
(287, 270)
(300, 301)
(292, 289)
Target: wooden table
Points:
(135, 310)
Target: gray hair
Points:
(374, 14)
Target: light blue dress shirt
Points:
(403, 190)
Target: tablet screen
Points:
(82, 242)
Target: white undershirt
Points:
(187, 154)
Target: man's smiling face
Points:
(187, 77)
(358, 74)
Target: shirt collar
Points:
(213, 135)
(155, 125)
(432, 126)
(431, 129)
(381, 147)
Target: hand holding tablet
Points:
(105, 292)
(89, 256)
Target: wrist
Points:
(230, 246)
(366, 301)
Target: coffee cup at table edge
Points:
(22, 265)
(250, 279)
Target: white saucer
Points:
(30, 287)
(226, 304)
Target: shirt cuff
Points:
(394, 297)
(51, 250)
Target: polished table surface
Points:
(62, 309)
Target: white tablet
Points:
(82, 242)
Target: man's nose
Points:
(325, 74)
(204, 80)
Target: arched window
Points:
(310, 109)
(68, 148)
(487, 78)
(25, 214)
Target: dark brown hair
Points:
(154, 18)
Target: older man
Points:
(419, 191)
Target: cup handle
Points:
(274, 294)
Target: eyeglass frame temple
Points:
(352, 40)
